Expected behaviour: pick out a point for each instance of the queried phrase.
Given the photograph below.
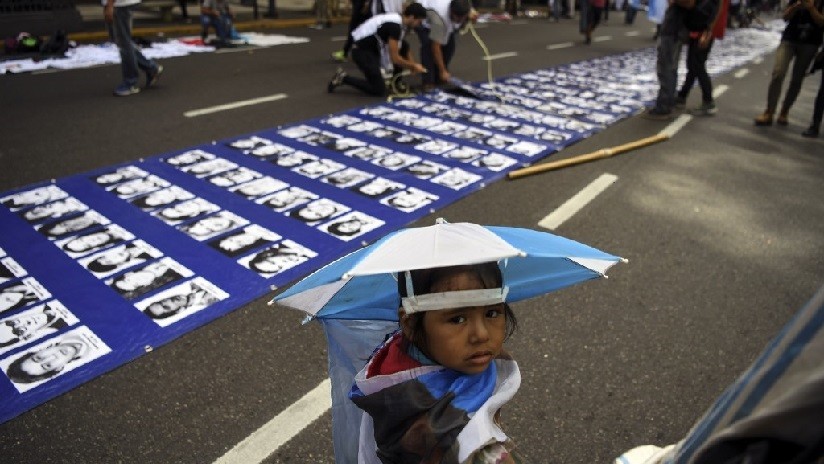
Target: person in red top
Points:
(706, 21)
(594, 12)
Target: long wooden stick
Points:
(602, 153)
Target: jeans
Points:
(669, 50)
(432, 74)
(222, 25)
(697, 69)
(555, 8)
(803, 54)
(131, 58)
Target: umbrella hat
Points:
(363, 285)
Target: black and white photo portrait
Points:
(296, 158)
(72, 225)
(10, 270)
(494, 162)
(351, 226)
(347, 177)
(53, 210)
(409, 200)
(249, 143)
(119, 175)
(274, 149)
(318, 168)
(137, 187)
(235, 177)
(141, 280)
(161, 198)
(185, 211)
(277, 258)
(378, 187)
(116, 259)
(426, 169)
(456, 179)
(22, 293)
(436, 146)
(368, 152)
(396, 161)
(52, 358)
(287, 199)
(190, 157)
(212, 226)
(317, 211)
(259, 187)
(173, 304)
(209, 168)
(33, 324)
(33, 197)
(244, 240)
(297, 132)
(93, 241)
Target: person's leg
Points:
(427, 60)
(701, 55)
(669, 50)
(818, 111)
(183, 11)
(689, 80)
(783, 56)
(121, 33)
(804, 55)
(448, 51)
(370, 66)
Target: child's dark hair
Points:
(422, 279)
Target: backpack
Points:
(56, 45)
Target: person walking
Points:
(705, 23)
(801, 38)
(673, 34)
(118, 16)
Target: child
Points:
(432, 391)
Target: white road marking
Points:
(758, 60)
(577, 202)
(632, 33)
(339, 38)
(558, 46)
(676, 125)
(719, 90)
(237, 104)
(282, 428)
(500, 55)
(741, 73)
(602, 38)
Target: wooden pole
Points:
(596, 155)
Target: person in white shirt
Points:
(444, 18)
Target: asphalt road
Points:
(723, 227)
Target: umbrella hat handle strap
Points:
(450, 300)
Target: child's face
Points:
(464, 339)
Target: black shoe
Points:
(811, 132)
(658, 114)
(336, 81)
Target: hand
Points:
(418, 68)
(108, 12)
(704, 40)
(473, 16)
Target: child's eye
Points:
(457, 319)
(493, 313)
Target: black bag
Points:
(56, 45)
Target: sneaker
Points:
(339, 56)
(782, 120)
(706, 109)
(153, 76)
(658, 114)
(336, 81)
(124, 90)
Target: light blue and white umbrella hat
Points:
(363, 284)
